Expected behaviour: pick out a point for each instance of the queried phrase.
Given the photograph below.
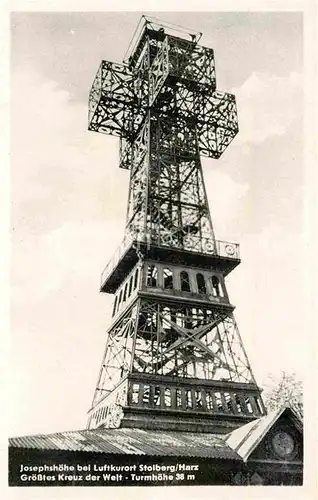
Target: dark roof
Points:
(132, 441)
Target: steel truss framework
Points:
(164, 107)
(158, 338)
(167, 198)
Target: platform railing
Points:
(145, 391)
(108, 411)
(193, 398)
(204, 245)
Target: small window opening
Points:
(167, 279)
(130, 285)
(178, 398)
(216, 287)
(120, 297)
(185, 282)
(125, 292)
(135, 393)
(115, 305)
(198, 399)
(201, 283)
(136, 278)
(152, 276)
(146, 393)
(157, 396)
(189, 399)
(168, 397)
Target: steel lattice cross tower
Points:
(174, 357)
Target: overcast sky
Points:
(69, 199)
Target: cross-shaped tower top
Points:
(172, 78)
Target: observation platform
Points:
(166, 402)
(208, 253)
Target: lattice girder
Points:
(204, 342)
(179, 86)
(114, 104)
(167, 197)
(174, 340)
(180, 60)
(169, 202)
(116, 361)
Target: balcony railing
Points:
(108, 411)
(191, 243)
(209, 397)
(150, 392)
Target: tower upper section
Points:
(172, 77)
(163, 104)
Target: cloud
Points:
(267, 106)
(270, 297)
(43, 263)
(60, 171)
(224, 195)
(63, 189)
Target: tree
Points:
(286, 390)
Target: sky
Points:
(68, 199)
